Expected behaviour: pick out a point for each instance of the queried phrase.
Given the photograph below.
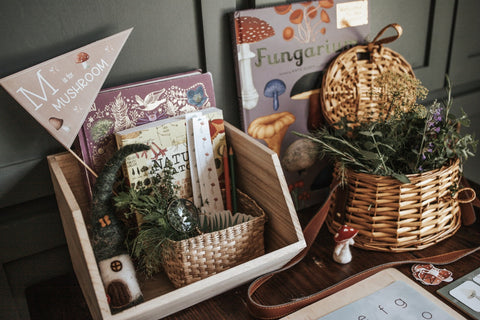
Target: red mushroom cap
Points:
(344, 233)
(82, 57)
(252, 29)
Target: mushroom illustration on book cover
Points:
(280, 53)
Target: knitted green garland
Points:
(109, 242)
(108, 237)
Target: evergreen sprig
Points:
(151, 204)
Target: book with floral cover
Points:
(280, 53)
(138, 103)
(167, 139)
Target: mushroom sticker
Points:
(82, 58)
(273, 89)
(58, 124)
(430, 275)
(249, 30)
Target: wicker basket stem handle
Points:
(465, 195)
(378, 41)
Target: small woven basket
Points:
(395, 217)
(348, 81)
(199, 257)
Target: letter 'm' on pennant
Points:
(59, 92)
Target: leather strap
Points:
(262, 311)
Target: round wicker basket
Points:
(393, 216)
(347, 83)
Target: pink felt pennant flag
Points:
(59, 92)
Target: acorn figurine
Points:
(108, 238)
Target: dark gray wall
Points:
(169, 36)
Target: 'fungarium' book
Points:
(280, 54)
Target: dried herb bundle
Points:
(407, 138)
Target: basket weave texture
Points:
(395, 217)
(390, 215)
(348, 81)
(199, 257)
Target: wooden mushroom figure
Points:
(82, 58)
(343, 240)
(271, 128)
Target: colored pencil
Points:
(231, 158)
(226, 172)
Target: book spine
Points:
(233, 27)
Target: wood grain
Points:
(259, 175)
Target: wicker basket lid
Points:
(347, 83)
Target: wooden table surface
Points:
(62, 299)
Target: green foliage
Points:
(108, 242)
(151, 204)
(407, 138)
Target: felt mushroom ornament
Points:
(249, 30)
(108, 236)
(271, 128)
(343, 240)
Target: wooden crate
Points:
(259, 174)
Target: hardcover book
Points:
(280, 53)
(168, 141)
(135, 104)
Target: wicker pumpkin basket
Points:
(390, 215)
(393, 216)
(199, 257)
(349, 79)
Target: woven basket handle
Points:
(378, 41)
